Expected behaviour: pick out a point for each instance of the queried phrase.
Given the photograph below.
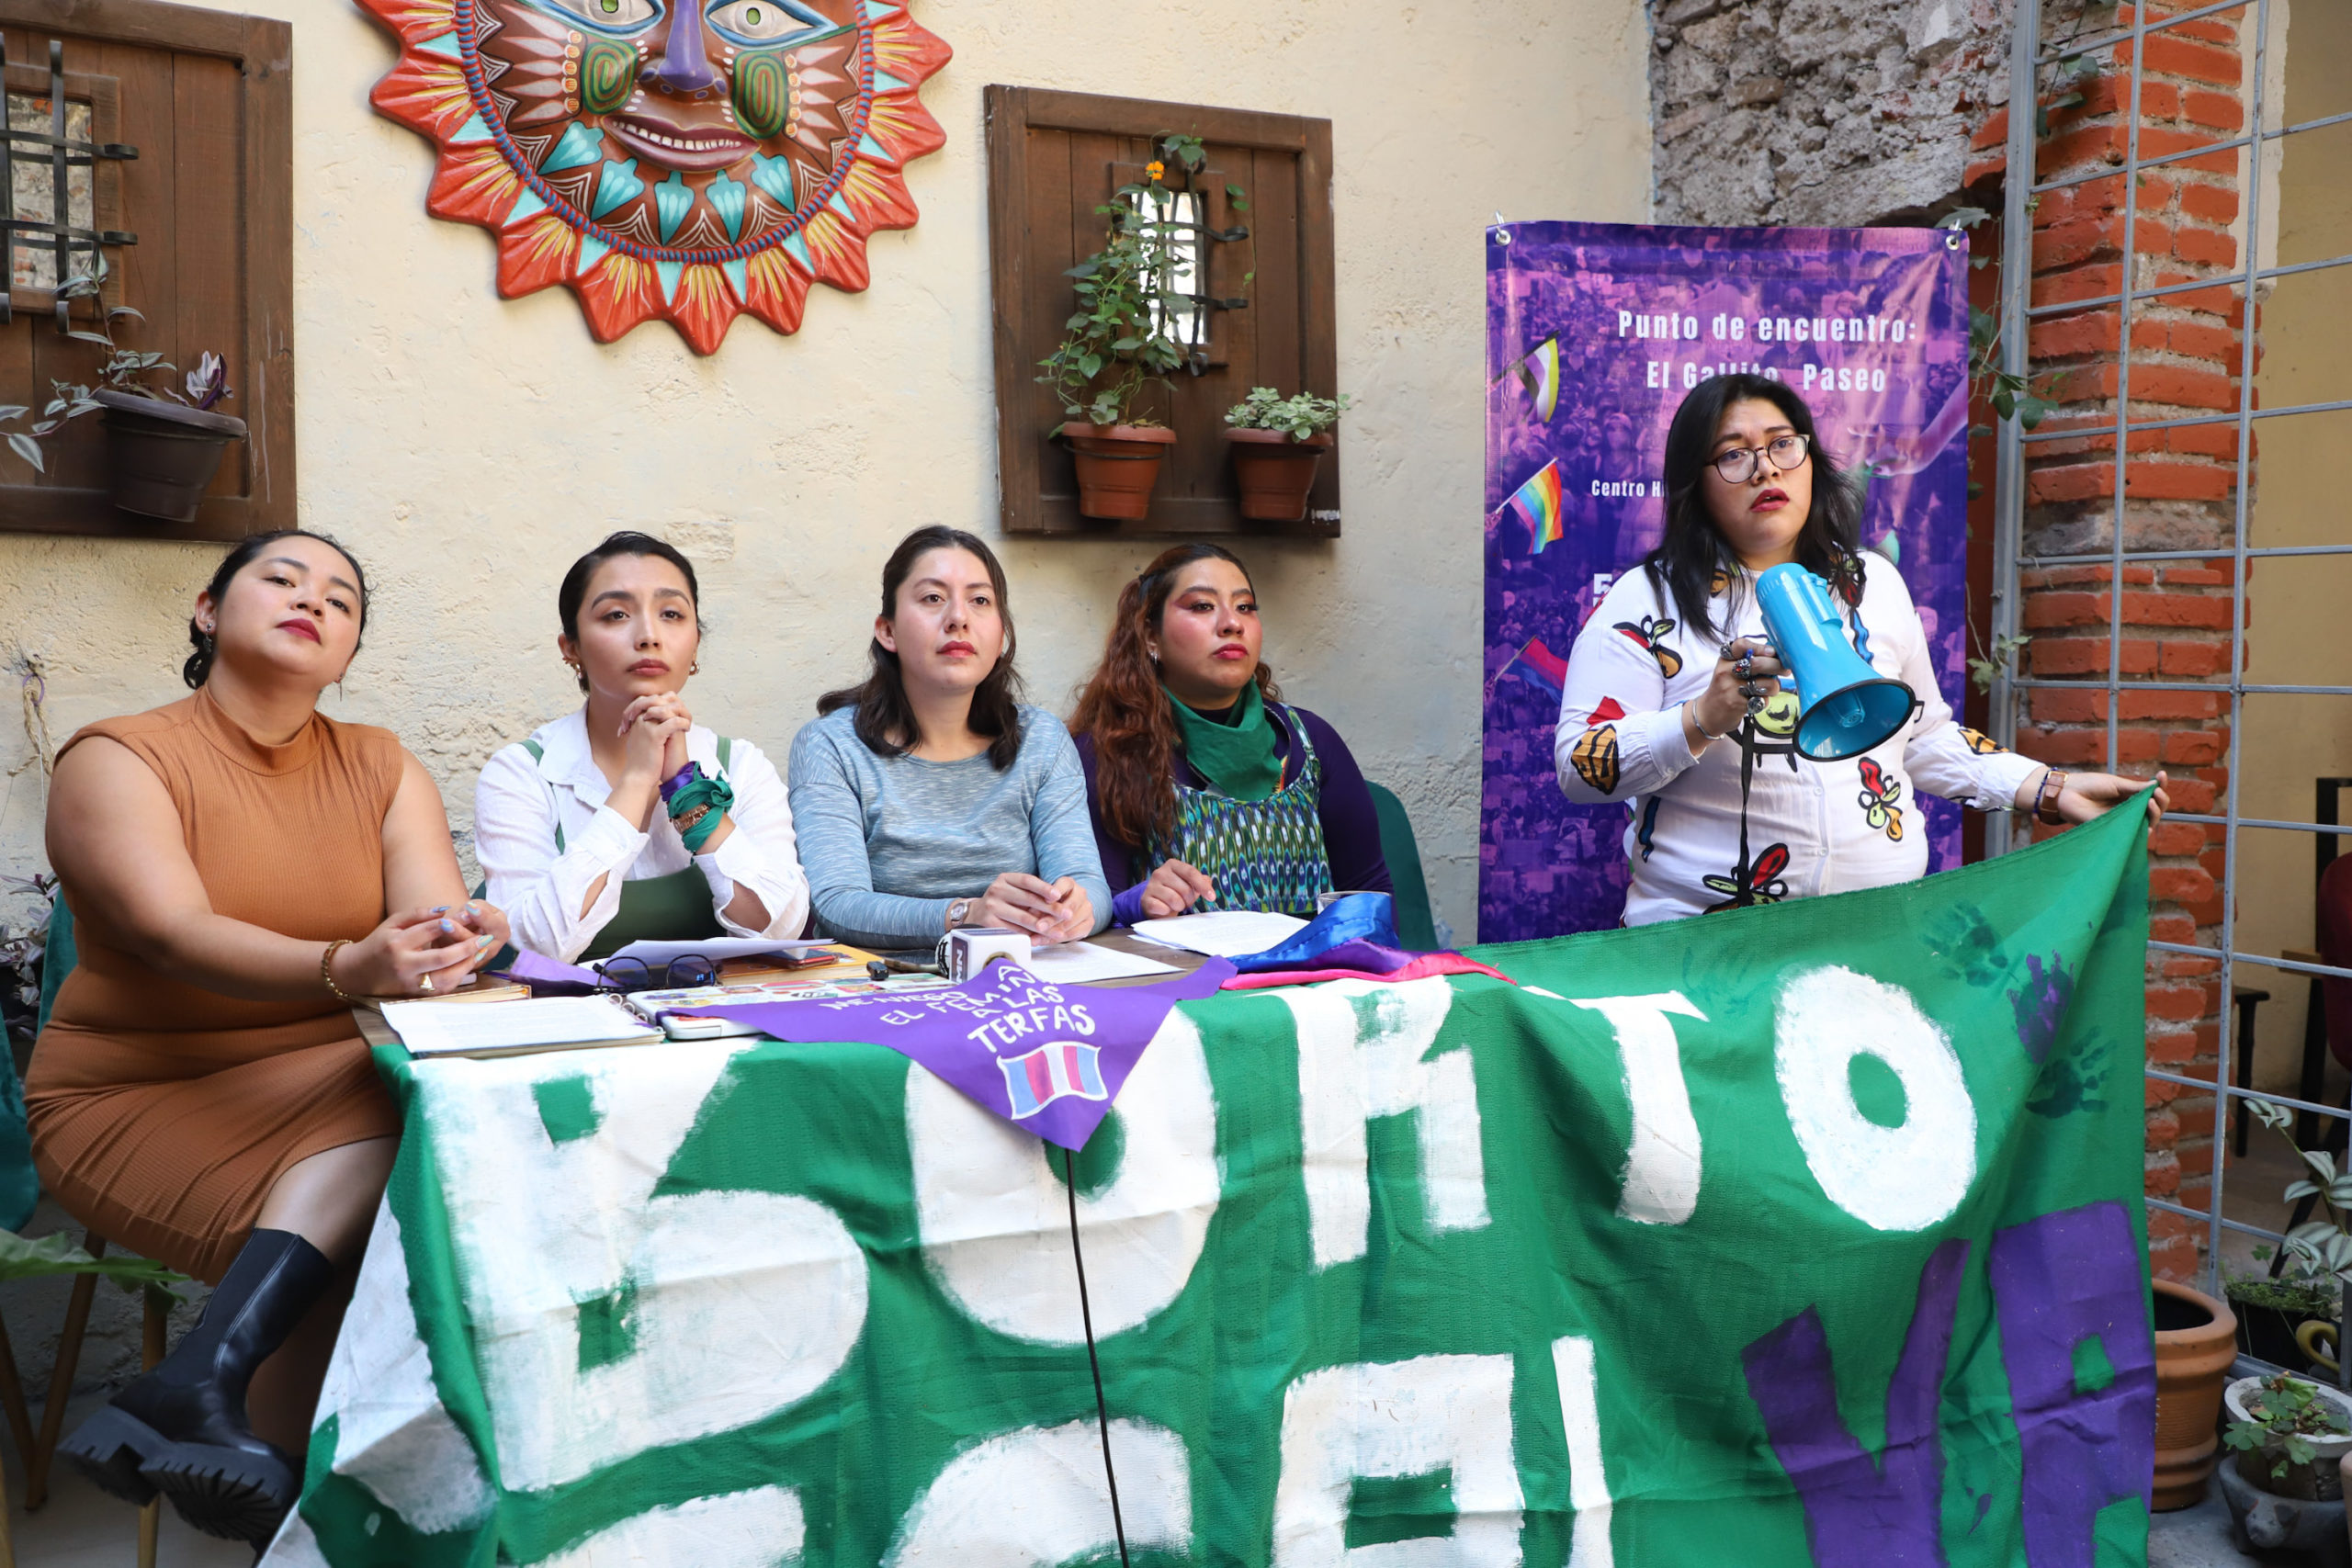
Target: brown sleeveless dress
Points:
(162, 1113)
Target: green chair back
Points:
(57, 955)
(1398, 847)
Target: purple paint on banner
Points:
(1620, 320)
(2060, 1281)
(1860, 1513)
(1049, 1059)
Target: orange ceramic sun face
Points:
(684, 159)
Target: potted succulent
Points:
(1278, 444)
(163, 443)
(1122, 338)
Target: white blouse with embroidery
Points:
(1812, 827)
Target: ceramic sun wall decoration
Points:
(682, 159)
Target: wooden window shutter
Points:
(207, 99)
(1053, 158)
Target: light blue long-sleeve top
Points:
(889, 841)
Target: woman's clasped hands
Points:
(1050, 912)
(419, 951)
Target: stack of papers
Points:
(508, 1028)
(1223, 933)
(1078, 963)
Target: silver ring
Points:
(425, 982)
(1745, 668)
(1750, 690)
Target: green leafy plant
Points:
(2001, 660)
(2285, 1414)
(122, 370)
(2011, 395)
(21, 1258)
(2322, 1248)
(2302, 1293)
(21, 955)
(1297, 417)
(1121, 337)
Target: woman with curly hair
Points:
(1208, 791)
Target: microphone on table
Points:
(1843, 706)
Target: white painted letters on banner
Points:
(1903, 1178)
(1352, 1069)
(1375, 1419)
(994, 1216)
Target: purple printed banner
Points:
(1049, 1059)
(1594, 334)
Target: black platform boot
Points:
(181, 1429)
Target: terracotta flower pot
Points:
(1275, 472)
(1117, 467)
(162, 455)
(2197, 1338)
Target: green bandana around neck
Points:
(1234, 752)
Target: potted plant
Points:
(1122, 338)
(163, 445)
(2288, 1434)
(2195, 1341)
(1278, 444)
(2271, 1311)
(2321, 1249)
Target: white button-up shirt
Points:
(519, 805)
(1812, 827)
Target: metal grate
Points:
(2028, 59)
(56, 233)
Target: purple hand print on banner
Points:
(1861, 1513)
(2040, 1005)
(2057, 1282)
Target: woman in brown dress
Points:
(200, 1095)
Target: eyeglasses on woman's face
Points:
(1737, 466)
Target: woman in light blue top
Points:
(931, 797)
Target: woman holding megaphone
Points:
(1741, 791)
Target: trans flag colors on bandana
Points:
(1537, 500)
(1051, 1072)
(1006, 1039)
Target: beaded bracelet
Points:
(326, 971)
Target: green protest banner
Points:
(1800, 1234)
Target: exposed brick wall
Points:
(2179, 493)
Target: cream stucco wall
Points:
(2297, 631)
(468, 447)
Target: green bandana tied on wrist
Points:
(1237, 753)
(716, 793)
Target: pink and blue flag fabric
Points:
(1049, 1059)
(1050, 1072)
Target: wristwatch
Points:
(958, 911)
(2045, 799)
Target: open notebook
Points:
(506, 1029)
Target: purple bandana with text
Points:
(1047, 1058)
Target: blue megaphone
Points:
(1843, 706)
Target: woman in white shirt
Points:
(626, 820)
(1673, 705)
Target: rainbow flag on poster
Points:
(1537, 500)
(1539, 374)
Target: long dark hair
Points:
(197, 669)
(885, 720)
(627, 542)
(1686, 560)
(1125, 710)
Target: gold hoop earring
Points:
(695, 668)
